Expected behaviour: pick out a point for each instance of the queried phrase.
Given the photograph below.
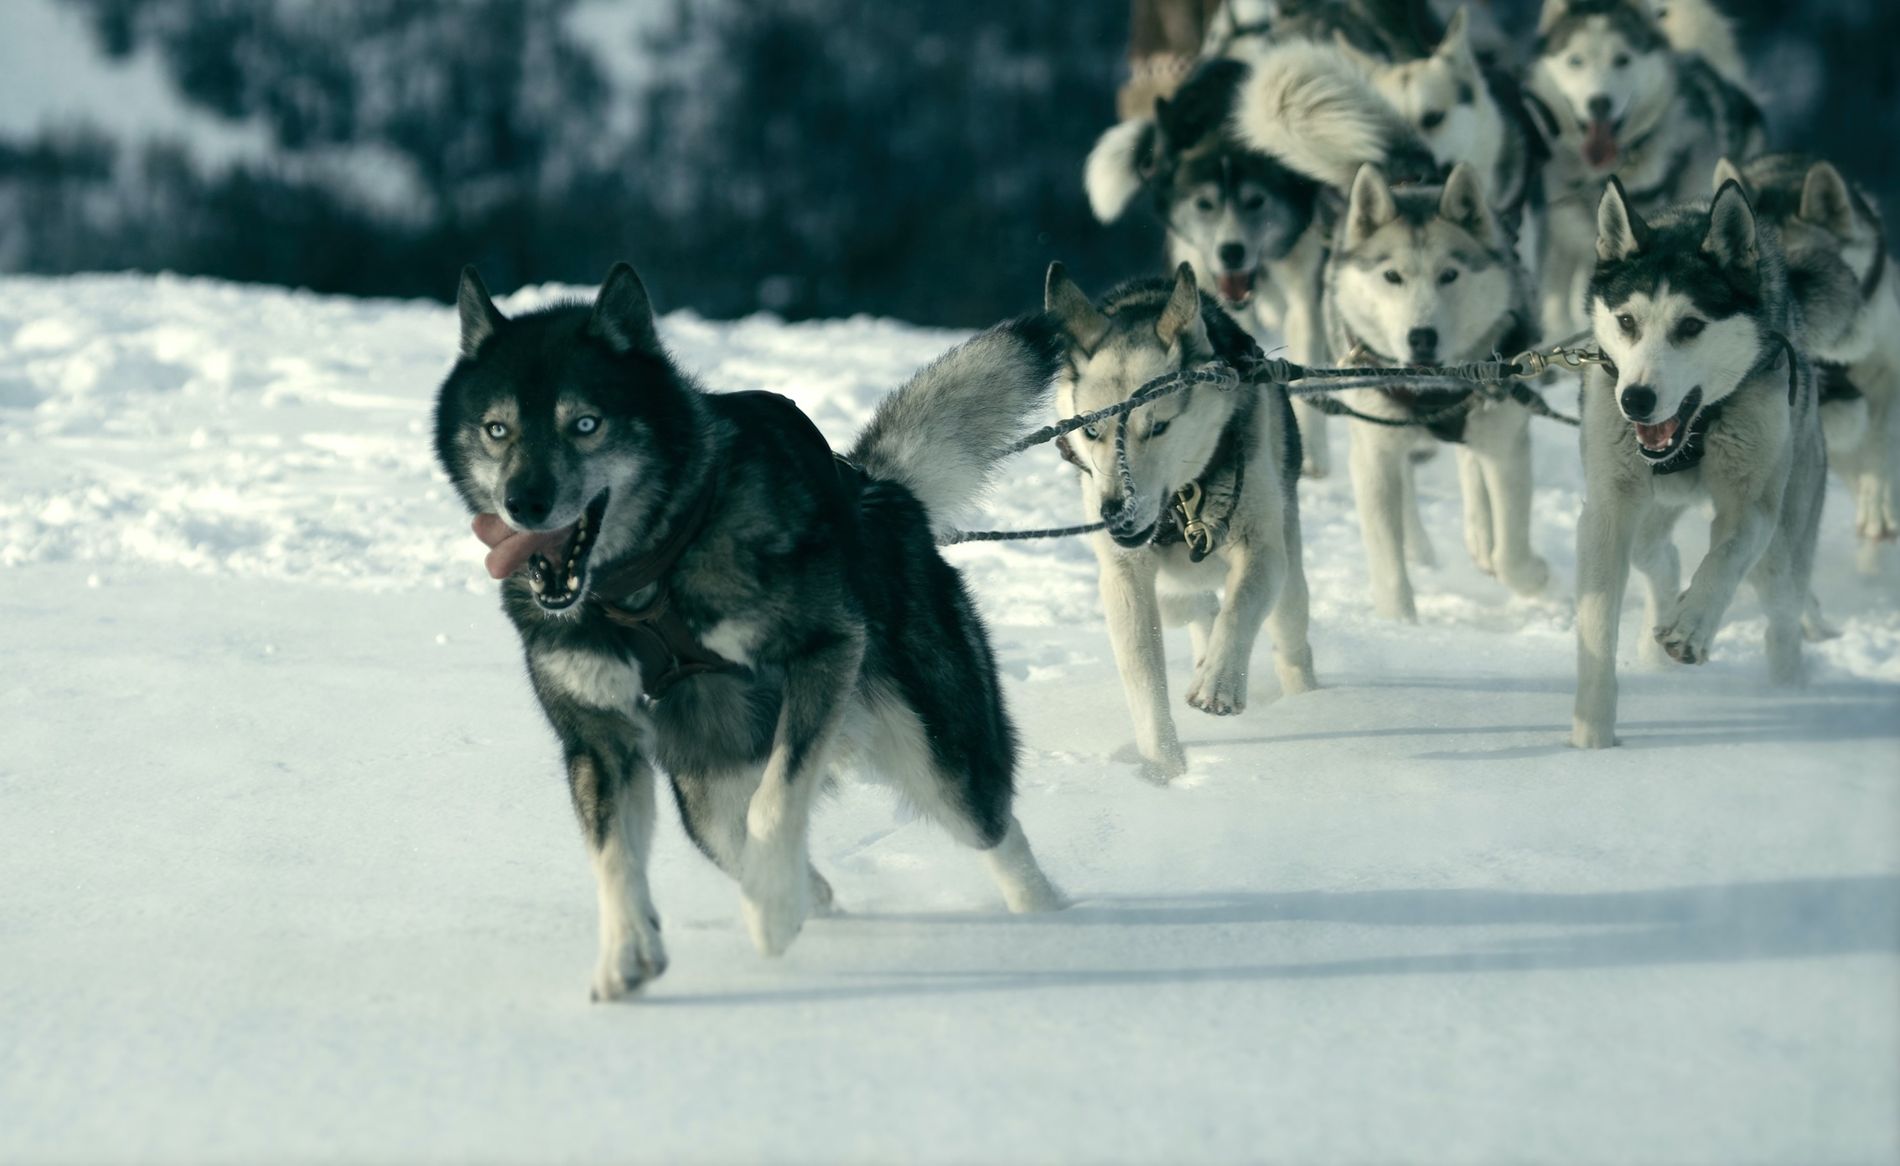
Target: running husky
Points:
(1425, 275)
(1199, 492)
(700, 585)
(1631, 103)
(1713, 398)
(1837, 252)
(1240, 167)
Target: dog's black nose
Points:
(1599, 107)
(1424, 343)
(1232, 256)
(1638, 401)
(529, 506)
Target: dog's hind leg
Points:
(1287, 622)
(1195, 609)
(1378, 485)
(774, 876)
(1419, 550)
(1653, 551)
(1506, 461)
(1316, 458)
(612, 786)
(1477, 500)
(712, 807)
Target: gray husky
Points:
(1241, 167)
(1713, 399)
(1631, 103)
(1199, 494)
(701, 586)
(1837, 255)
(1425, 275)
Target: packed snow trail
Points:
(289, 870)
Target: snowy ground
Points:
(287, 869)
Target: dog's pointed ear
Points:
(1181, 319)
(1621, 233)
(1070, 306)
(480, 317)
(1726, 171)
(1731, 240)
(1463, 201)
(1553, 12)
(623, 315)
(1370, 206)
(1826, 202)
(1456, 45)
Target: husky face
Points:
(1677, 308)
(1612, 66)
(552, 427)
(1237, 210)
(1133, 464)
(1422, 276)
(1445, 97)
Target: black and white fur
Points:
(1630, 102)
(1839, 264)
(852, 636)
(1691, 307)
(1425, 275)
(1132, 468)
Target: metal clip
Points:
(1195, 532)
(1533, 364)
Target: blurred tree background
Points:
(808, 157)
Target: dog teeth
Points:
(534, 582)
(573, 582)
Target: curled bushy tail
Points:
(940, 435)
(1309, 106)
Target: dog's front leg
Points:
(1737, 537)
(1377, 461)
(1604, 535)
(612, 787)
(773, 882)
(1134, 631)
(1254, 575)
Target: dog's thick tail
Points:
(1308, 105)
(940, 435)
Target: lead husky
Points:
(1425, 275)
(1630, 103)
(699, 584)
(1713, 398)
(1199, 493)
(1837, 247)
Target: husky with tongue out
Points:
(1712, 399)
(1648, 93)
(702, 587)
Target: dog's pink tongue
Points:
(510, 548)
(1235, 287)
(1655, 437)
(1599, 145)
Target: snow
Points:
(290, 871)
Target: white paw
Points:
(1592, 734)
(630, 964)
(1685, 636)
(1526, 576)
(1297, 678)
(1221, 692)
(1398, 610)
(774, 912)
(822, 901)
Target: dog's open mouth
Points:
(1599, 143)
(1236, 287)
(1139, 538)
(1660, 441)
(556, 559)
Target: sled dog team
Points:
(705, 590)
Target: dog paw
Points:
(1527, 576)
(1592, 734)
(773, 916)
(628, 966)
(1686, 636)
(1219, 692)
(822, 900)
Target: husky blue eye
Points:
(1394, 277)
(496, 430)
(1159, 428)
(587, 424)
